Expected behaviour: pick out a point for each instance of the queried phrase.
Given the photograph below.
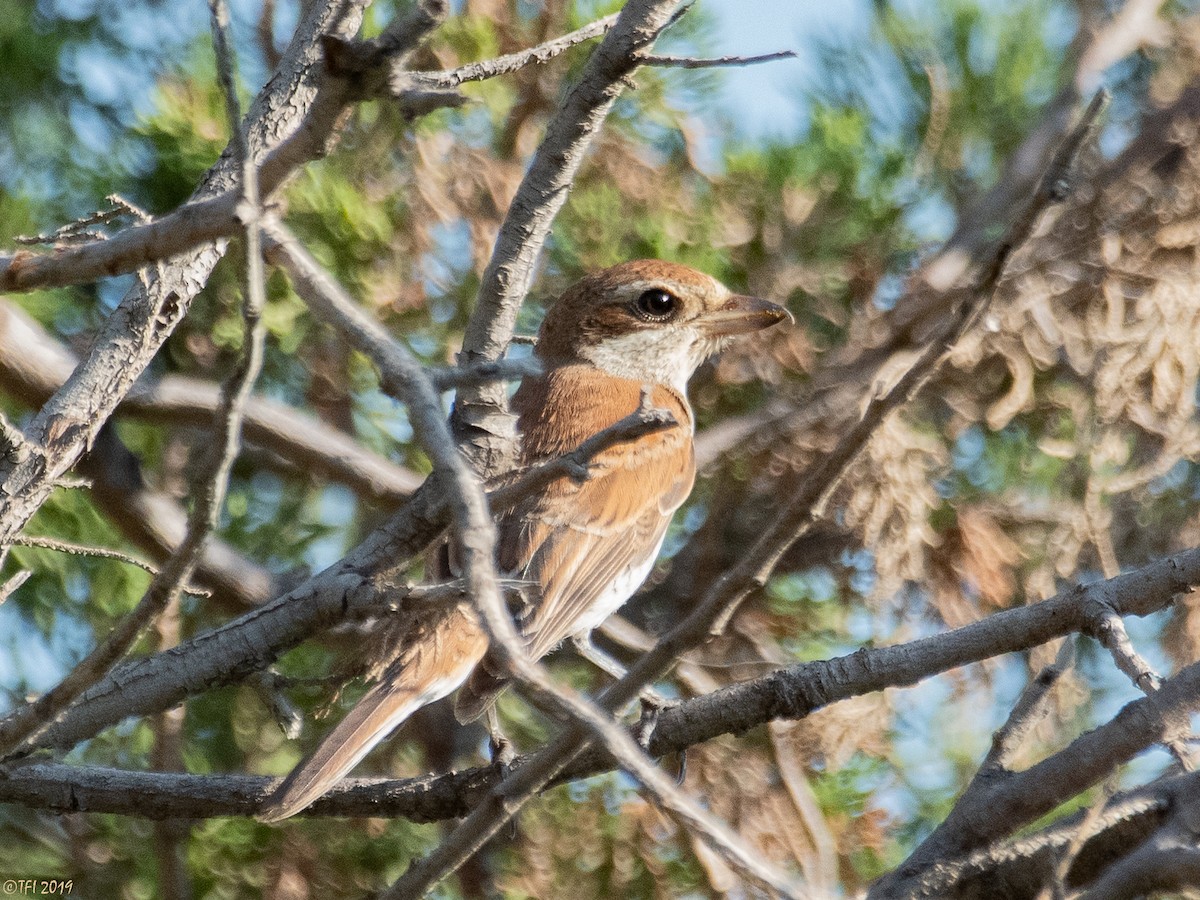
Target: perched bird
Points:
(582, 547)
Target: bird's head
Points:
(650, 321)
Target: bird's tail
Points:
(437, 662)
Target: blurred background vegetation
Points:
(1054, 451)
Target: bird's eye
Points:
(656, 304)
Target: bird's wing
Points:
(589, 545)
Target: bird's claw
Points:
(647, 721)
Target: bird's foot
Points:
(647, 721)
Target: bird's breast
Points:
(566, 405)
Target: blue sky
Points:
(768, 25)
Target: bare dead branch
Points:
(484, 373)
(724, 596)
(1023, 865)
(1057, 888)
(352, 589)
(1002, 805)
(402, 376)
(45, 543)
(685, 62)
(1108, 628)
(78, 231)
(8, 588)
(1110, 631)
(789, 693)
(575, 465)
(290, 122)
(1029, 709)
(513, 62)
(424, 873)
(33, 365)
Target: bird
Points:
(616, 339)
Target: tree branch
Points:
(687, 62)
(724, 596)
(512, 62)
(33, 365)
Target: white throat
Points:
(653, 356)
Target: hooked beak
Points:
(742, 314)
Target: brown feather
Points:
(441, 655)
(575, 539)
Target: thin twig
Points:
(80, 230)
(575, 465)
(1057, 889)
(292, 121)
(1029, 709)
(458, 377)
(687, 62)
(1109, 629)
(9, 587)
(46, 543)
(481, 413)
(1001, 805)
(512, 62)
(346, 592)
(790, 693)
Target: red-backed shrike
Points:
(582, 547)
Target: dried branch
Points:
(1108, 628)
(8, 588)
(791, 693)
(355, 588)
(458, 377)
(512, 62)
(1002, 805)
(1022, 866)
(402, 375)
(724, 596)
(33, 365)
(45, 543)
(237, 650)
(576, 464)
(1057, 889)
(686, 62)
(80, 229)
(1029, 709)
